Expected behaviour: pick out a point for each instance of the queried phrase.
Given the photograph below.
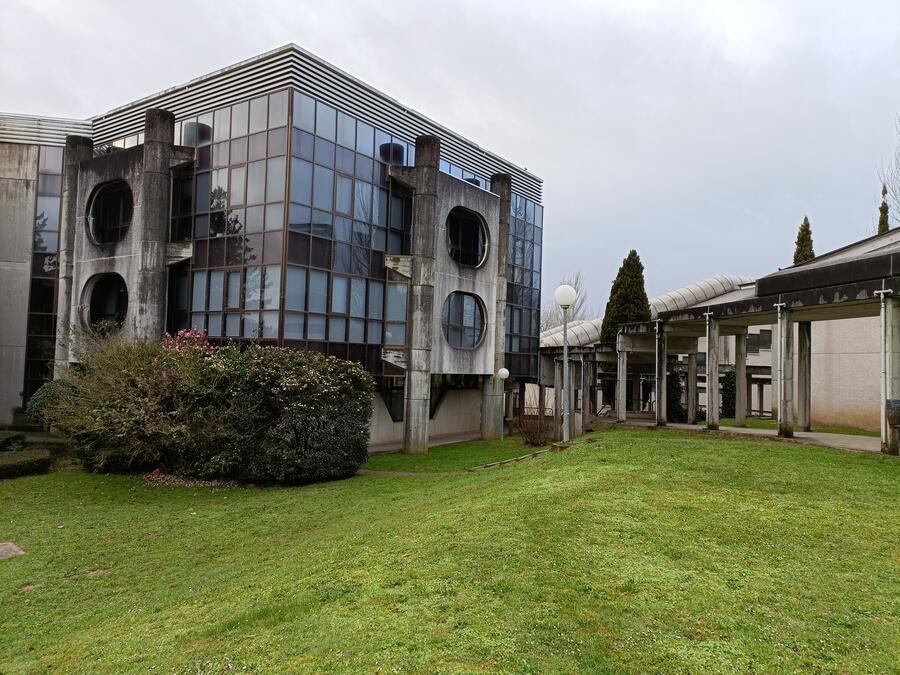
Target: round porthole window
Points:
(466, 237)
(462, 320)
(107, 302)
(109, 214)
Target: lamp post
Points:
(503, 373)
(565, 297)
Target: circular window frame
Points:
(485, 232)
(90, 218)
(484, 321)
(87, 296)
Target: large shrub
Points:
(261, 414)
(41, 399)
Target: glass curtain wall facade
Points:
(291, 213)
(41, 336)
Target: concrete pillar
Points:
(761, 395)
(786, 374)
(574, 425)
(712, 374)
(692, 389)
(492, 396)
(557, 399)
(776, 387)
(621, 389)
(804, 374)
(521, 411)
(421, 305)
(660, 379)
(147, 304)
(585, 394)
(749, 395)
(741, 390)
(891, 385)
(78, 149)
(542, 402)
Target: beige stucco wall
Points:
(846, 372)
(459, 413)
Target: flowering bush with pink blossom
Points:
(263, 414)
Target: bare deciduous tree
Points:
(890, 177)
(551, 314)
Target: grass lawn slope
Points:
(634, 550)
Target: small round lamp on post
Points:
(565, 297)
(503, 373)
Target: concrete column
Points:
(585, 394)
(660, 380)
(712, 374)
(749, 395)
(147, 304)
(78, 149)
(421, 306)
(761, 395)
(542, 398)
(804, 374)
(557, 399)
(573, 425)
(692, 389)
(521, 411)
(621, 388)
(492, 396)
(741, 390)
(776, 387)
(891, 385)
(786, 374)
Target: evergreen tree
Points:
(803, 249)
(883, 211)
(627, 299)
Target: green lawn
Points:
(636, 550)
(769, 423)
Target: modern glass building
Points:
(276, 200)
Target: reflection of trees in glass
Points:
(218, 198)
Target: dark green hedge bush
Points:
(262, 414)
(40, 399)
(24, 462)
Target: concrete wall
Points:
(459, 413)
(18, 189)
(846, 372)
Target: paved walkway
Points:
(841, 441)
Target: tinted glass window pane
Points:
(346, 132)
(278, 109)
(214, 327)
(394, 333)
(256, 182)
(222, 125)
(216, 290)
(232, 325)
(318, 291)
(198, 294)
(233, 295)
(277, 142)
(47, 217)
(326, 126)
(376, 300)
(295, 290)
(49, 184)
(300, 218)
(274, 217)
(340, 288)
(252, 283)
(50, 159)
(257, 146)
(258, 114)
(251, 325)
(337, 329)
(239, 118)
(357, 331)
(323, 188)
(302, 144)
(344, 195)
(315, 327)
(254, 219)
(275, 180)
(202, 192)
(374, 332)
(239, 150)
(293, 326)
(271, 286)
(343, 228)
(301, 181)
(325, 153)
(396, 302)
(363, 206)
(365, 138)
(238, 180)
(304, 112)
(357, 297)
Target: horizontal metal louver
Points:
(31, 130)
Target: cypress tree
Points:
(803, 250)
(627, 299)
(883, 211)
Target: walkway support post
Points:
(890, 365)
(660, 379)
(621, 381)
(712, 372)
(692, 387)
(741, 390)
(804, 375)
(785, 371)
(557, 399)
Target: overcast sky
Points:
(699, 135)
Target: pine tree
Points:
(803, 249)
(627, 299)
(883, 211)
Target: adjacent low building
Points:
(279, 200)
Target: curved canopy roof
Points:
(583, 333)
